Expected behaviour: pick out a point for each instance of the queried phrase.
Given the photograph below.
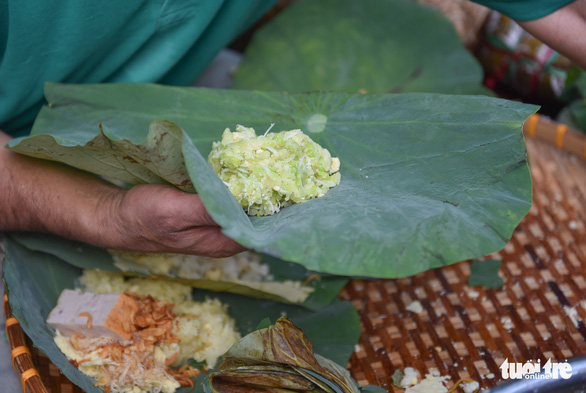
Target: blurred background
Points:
(511, 63)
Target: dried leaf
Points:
(278, 357)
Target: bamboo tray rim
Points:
(22, 359)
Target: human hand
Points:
(41, 196)
(160, 218)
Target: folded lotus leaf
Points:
(278, 358)
(267, 377)
(312, 294)
(427, 179)
(34, 281)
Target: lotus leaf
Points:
(347, 45)
(35, 279)
(427, 179)
(325, 289)
(485, 273)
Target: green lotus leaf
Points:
(427, 179)
(84, 256)
(485, 273)
(346, 45)
(34, 281)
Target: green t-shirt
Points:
(524, 10)
(89, 41)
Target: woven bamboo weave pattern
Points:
(468, 332)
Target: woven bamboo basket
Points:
(462, 332)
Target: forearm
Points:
(42, 196)
(564, 30)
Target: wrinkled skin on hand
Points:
(43, 196)
(160, 218)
